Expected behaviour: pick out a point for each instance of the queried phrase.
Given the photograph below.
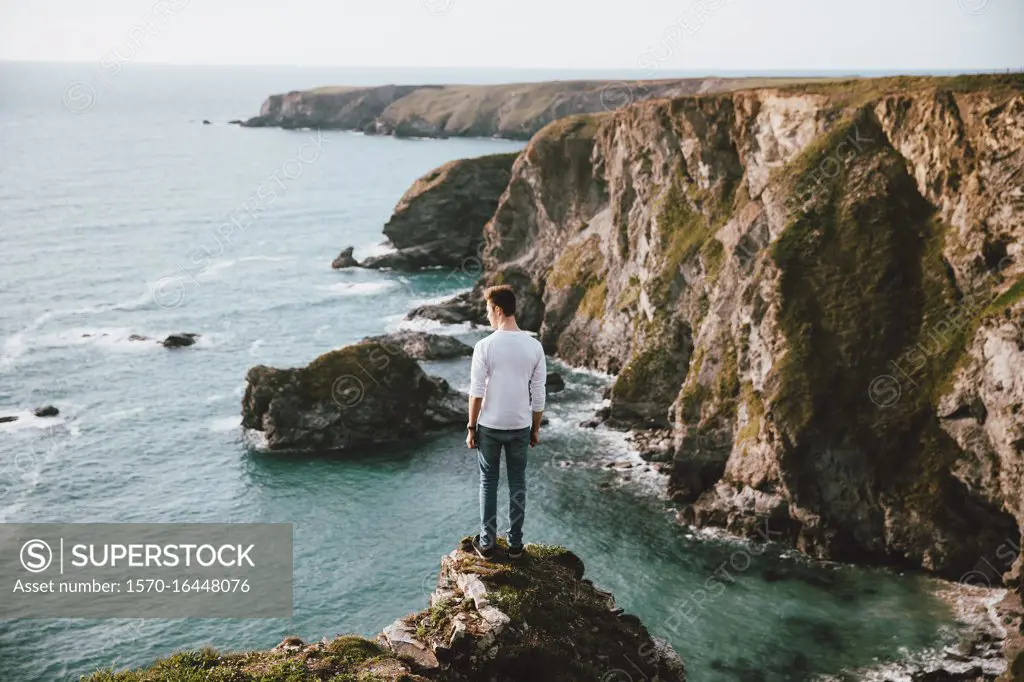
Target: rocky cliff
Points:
(514, 111)
(536, 618)
(364, 394)
(814, 289)
(440, 220)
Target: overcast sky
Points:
(705, 35)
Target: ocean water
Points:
(116, 207)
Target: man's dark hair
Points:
(503, 297)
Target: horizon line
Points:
(652, 74)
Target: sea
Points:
(117, 222)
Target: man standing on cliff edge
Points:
(506, 402)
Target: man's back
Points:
(509, 371)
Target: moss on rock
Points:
(864, 287)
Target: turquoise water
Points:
(102, 208)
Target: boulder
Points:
(422, 345)
(8, 419)
(206, 122)
(360, 395)
(138, 337)
(179, 340)
(554, 383)
(345, 259)
(46, 411)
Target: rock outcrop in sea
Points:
(360, 395)
(813, 291)
(423, 345)
(345, 259)
(536, 618)
(513, 111)
(182, 340)
(440, 220)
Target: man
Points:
(506, 402)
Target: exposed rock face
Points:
(787, 280)
(554, 383)
(360, 395)
(536, 619)
(345, 259)
(984, 413)
(422, 345)
(440, 219)
(514, 111)
(468, 307)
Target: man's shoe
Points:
(515, 552)
(484, 552)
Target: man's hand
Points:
(534, 437)
(471, 439)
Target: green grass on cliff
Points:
(857, 91)
(1008, 298)
(581, 267)
(345, 659)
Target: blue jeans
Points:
(488, 444)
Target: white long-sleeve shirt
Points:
(508, 372)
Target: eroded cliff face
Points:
(814, 288)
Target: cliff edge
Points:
(536, 618)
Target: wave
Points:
(28, 421)
(256, 440)
(375, 249)
(421, 324)
(212, 271)
(269, 259)
(120, 415)
(361, 288)
(14, 346)
(225, 424)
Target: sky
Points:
(653, 35)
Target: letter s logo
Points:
(36, 556)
